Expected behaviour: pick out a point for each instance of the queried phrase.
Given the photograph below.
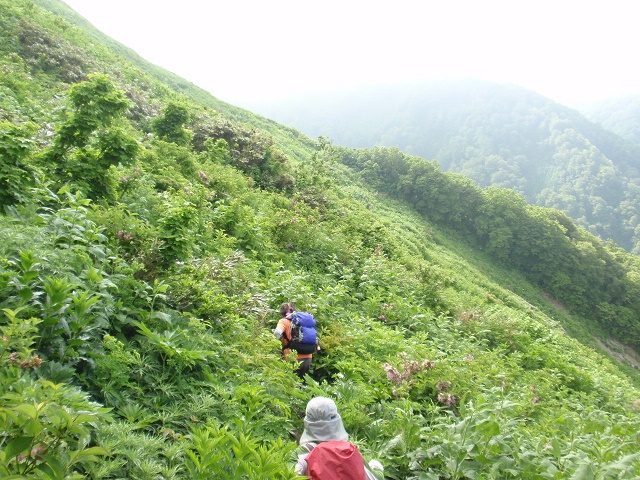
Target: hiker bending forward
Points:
(325, 451)
(283, 332)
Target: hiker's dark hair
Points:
(285, 307)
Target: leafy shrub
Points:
(176, 231)
(232, 453)
(45, 51)
(46, 427)
(170, 125)
(92, 136)
(15, 171)
(212, 287)
(250, 151)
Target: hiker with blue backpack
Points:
(325, 452)
(297, 331)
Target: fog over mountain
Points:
(497, 134)
(620, 114)
(250, 50)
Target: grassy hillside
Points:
(292, 141)
(150, 234)
(498, 135)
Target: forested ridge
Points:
(620, 115)
(150, 233)
(498, 135)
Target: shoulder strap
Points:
(369, 474)
(309, 446)
(287, 339)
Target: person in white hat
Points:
(323, 423)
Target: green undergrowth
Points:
(146, 250)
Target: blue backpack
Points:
(304, 338)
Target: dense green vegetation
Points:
(149, 236)
(621, 115)
(497, 135)
(597, 282)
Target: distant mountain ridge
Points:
(496, 134)
(620, 114)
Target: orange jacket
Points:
(284, 324)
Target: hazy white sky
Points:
(246, 50)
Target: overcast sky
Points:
(243, 51)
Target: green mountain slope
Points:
(498, 135)
(621, 115)
(150, 233)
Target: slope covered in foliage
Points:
(498, 135)
(148, 239)
(621, 115)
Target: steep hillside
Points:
(150, 235)
(498, 135)
(621, 115)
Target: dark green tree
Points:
(95, 104)
(15, 146)
(170, 125)
(92, 137)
